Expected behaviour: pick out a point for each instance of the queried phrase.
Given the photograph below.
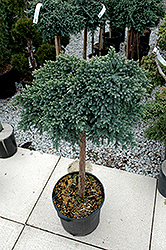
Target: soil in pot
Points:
(79, 216)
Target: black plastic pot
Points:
(7, 84)
(103, 51)
(8, 145)
(121, 30)
(162, 179)
(84, 226)
(144, 50)
(145, 37)
(115, 39)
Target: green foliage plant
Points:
(25, 33)
(20, 63)
(89, 10)
(4, 37)
(162, 33)
(155, 115)
(77, 100)
(46, 51)
(137, 15)
(58, 18)
(149, 65)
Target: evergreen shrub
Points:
(98, 97)
(155, 116)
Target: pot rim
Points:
(7, 71)
(79, 219)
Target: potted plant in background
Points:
(155, 115)
(77, 100)
(26, 35)
(89, 10)
(12, 51)
(8, 145)
(57, 19)
(155, 70)
(138, 16)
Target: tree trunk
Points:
(132, 48)
(100, 40)
(93, 45)
(85, 42)
(57, 45)
(31, 54)
(81, 180)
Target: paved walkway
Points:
(133, 216)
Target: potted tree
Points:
(56, 19)
(138, 16)
(155, 115)
(89, 10)
(10, 13)
(77, 100)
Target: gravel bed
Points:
(144, 159)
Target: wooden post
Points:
(57, 45)
(100, 39)
(93, 45)
(81, 180)
(132, 48)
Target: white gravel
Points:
(145, 158)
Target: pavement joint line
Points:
(66, 237)
(5, 218)
(24, 225)
(18, 237)
(153, 215)
(43, 189)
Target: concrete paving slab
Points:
(22, 178)
(9, 232)
(126, 215)
(32, 239)
(159, 229)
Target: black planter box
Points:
(7, 84)
(115, 39)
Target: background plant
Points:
(137, 15)
(26, 35)
(148, 63)
(89, 10)
(56, 19)
(20, 63)
(73, 99)
(162, 33)
(46, 51)
(155, 116)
